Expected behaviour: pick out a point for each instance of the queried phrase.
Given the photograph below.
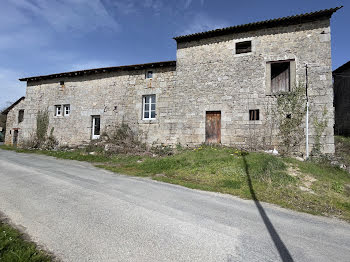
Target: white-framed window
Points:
(149, 107)
(66, 109)
(96, 127)
(149, 74)
(58, 110)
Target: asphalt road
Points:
(82, 213)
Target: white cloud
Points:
(69, 15)
(123, 6)
(156, 5)
(30, 37)
(188, 3)
(202, 22)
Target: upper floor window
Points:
(58, 110)
(149, 107)
(254, 115)
(280, 76)
(20, 115)
(243, 47)
(149, 74)
(66, 109)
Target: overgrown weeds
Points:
(40, 139)
(291, 110)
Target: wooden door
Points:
(213, 127)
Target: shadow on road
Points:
(281, 248)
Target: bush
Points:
(40, 140)
(120, 139)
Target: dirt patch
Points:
(306, 180)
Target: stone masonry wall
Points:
(210, 76)
(116, 97)
(12, 123)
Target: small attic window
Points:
(254, 115)
(149, 74)
(243, 47)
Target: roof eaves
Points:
(101, 70)
(5, 111)
(258, 25)
(342, 68)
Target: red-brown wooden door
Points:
(213, 127)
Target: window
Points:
(20, 116)
(243, 47)
(254, 114)
(149, 74)
(66, 109)
(96, 127)
(280, 77)
(58, 110)
(149, 107)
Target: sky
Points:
(40, 37)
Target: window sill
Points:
(148, 121)
(243, 54)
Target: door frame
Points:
(219, 112)
(15, 137)
(93, 135)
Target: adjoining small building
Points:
(222, 88)
(341, 77)
(14, 121)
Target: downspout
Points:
(307, 114)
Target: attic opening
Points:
(280, 76)
(243, 47)
(149, 74)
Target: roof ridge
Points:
(224, 30)
(101, 70)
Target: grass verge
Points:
(14, 248)
(342, 145)
(316, 188)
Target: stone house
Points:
(14, 121)
(221, 89)
(341, 77)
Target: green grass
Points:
(273, 179)
(13, 248)
(343, 149)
